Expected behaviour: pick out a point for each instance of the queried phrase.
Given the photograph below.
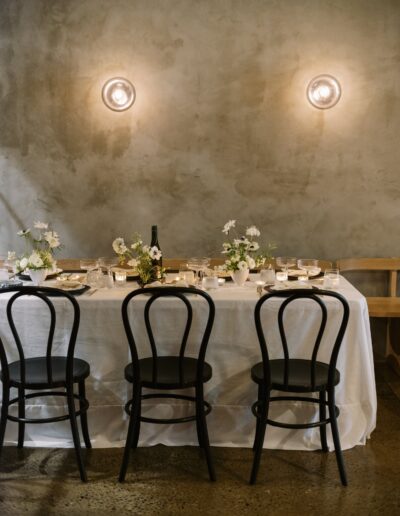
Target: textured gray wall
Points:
(221, 127)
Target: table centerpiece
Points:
(142, 257)
(243, 253)
(38, 261)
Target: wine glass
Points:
(107, 263)
(88, 265)
(309, 265)
(285, 262)
(198, 265)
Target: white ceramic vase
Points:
(240, 277)
(38, 276)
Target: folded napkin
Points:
(68, 285)
(179, 283)
(295, 273)
(154, 284)
(289, 285)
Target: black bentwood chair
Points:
(42, 374)
(298, 375)
(168, 372)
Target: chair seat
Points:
(172, 372)
(36, 372)
(299, 375)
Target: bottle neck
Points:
(154, 236)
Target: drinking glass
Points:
(285, 262)
(185, 274)
(108, 263)
(95, 278)
(331, 278)
(309, 265)
(198, 265)
(267, 276)
(88, 265)
(281, 276)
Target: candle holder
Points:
(120, 278)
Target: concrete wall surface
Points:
(221, 127)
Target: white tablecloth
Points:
(232, 351)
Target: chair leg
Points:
(130, 435)
(199, 427)
(258, 425)
(136, 431)
(260, 435)
(4, 414)
(203, 432)
(21, 414)
(335, 435)
(84, 422)
(75, 432)
(322, 417)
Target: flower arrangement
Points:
(141, 257)
(243, 253)
(40, 246)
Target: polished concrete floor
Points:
(169, 481)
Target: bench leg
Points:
(393, 344)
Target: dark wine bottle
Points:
(157, 264)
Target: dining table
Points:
(232, 350)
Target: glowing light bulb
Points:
(324, 91)
(118, 94)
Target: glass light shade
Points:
(324, 91)
(118, 94)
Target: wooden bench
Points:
(382, 306)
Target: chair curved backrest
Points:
(180, 293)
(289, 297)
(44, 294)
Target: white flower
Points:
(35, 260)
(137, 244)
(155, 253)
(40, 225)
(253, 246)
(23, 232)
(52, 239)
(11, 255)
(133, 263)
(241, 241)
(243, 266)
(146, 249)
(252, 231)
(23, 264)
(119, 246)
(227, 246)
(230, 224)
(250, 262)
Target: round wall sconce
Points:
(324, 91)
(118, 94)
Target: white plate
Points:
(295, 273)
(68, 286)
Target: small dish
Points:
(72, 287)
(294, 274)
